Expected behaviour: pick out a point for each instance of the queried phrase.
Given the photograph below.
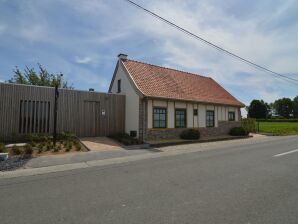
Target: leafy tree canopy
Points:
(284, 107)
(295, 107)
(40, 78)
(258, 109)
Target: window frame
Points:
(153, 117)
(119, 86)
(195, 112)
(185, 117)
(208, 121)
(234, 116)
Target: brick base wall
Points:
(223, 128)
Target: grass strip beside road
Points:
(279, 128)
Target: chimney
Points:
(122, 56)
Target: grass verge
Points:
(279, 128)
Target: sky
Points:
(82, 38)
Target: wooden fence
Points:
(30, 109)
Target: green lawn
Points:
(279, 128)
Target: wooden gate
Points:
(92, 118)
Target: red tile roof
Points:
(161, 82)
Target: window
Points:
(159, 118)
(231, 116)
(209, 118)
(119, 86)
(34, 117)
(180, 118)
(195, 112)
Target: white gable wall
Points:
(132, 100)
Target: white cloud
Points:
(2, 28)
(83, 60)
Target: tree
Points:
(40, 78)
(283, 107)
(295, 107)
(258, 109)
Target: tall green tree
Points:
(41, 78)
(295, 107)
(258, 109)
(283, 107)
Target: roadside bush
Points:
(68, 146)
(238, 131)
(16, 150)
(49, 146)
(33, 144)
(28, 149)
(40, 147)
(2, 148)
(56, 148)
(190, 134)
(249, 124)
(66, 136)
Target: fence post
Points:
(55, 115)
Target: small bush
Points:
(249, 124)
(33, 144)
(16, 150)
(59, 146)
(49, 146)
(190, 134)
(68, 146)
(2, 148)
(56, 148)
(40, 147)
(238, 131)
(28, 149)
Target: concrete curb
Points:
(157, 145)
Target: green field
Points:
(279, 128)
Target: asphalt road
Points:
(234, 184)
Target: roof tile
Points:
(161, 82)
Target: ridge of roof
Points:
(163, 67)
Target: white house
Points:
(161, 102)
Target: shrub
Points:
(238, 131)
(2, 148)
(190, 134)
(28, 149)
(40, 147)
(33, 144)
(56, 148)
(16, 150)
(68, 146)
(249, 124)
(49, 146)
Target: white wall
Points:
(171, 115)
(220, 112)
(132, 100)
